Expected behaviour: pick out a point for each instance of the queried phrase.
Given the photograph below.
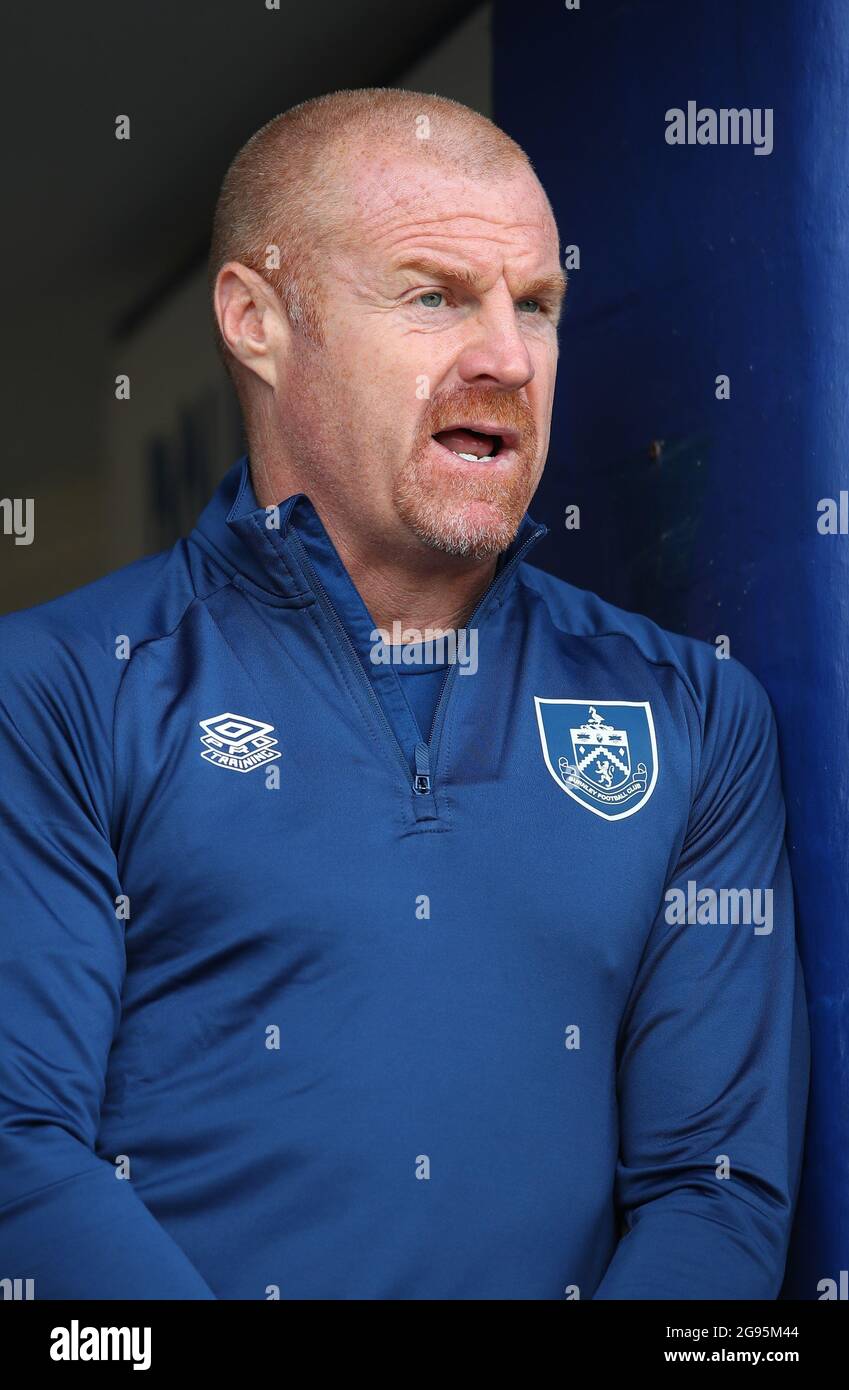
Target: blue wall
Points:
(696, 261)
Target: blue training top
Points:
(300, 998)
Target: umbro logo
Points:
(241, 744)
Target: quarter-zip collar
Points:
(284, 556)
(262, 545)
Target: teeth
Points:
(473, 458)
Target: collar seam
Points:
(279, 560)
(272, 598)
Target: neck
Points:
(439, 596)
(411, 585)
(415, 586)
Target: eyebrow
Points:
(549, 287)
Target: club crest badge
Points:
(603, 753)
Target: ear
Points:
(251, 320)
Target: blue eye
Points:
(530, 301)
(431, 294)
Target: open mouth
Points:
(477, 443)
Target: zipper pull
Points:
(421, 781)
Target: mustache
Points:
(511, 412)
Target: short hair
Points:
(279, 203)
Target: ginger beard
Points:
(459, 507)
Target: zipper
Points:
(425, 753)
(324, 600)
(421, 783)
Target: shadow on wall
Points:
(182, 467)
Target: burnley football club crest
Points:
(601, 753)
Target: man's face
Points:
(440, 319)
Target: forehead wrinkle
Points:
(393, 229)
(437, 225)
(444, 242)
(384, 186)
(408, 252)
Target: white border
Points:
(540, 700)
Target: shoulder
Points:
(727, 698)
(63, 662)
(135, 604)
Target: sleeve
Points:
(66, 1220)
(713, 1049)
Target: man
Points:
(332, 975)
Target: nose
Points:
(496, 351)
